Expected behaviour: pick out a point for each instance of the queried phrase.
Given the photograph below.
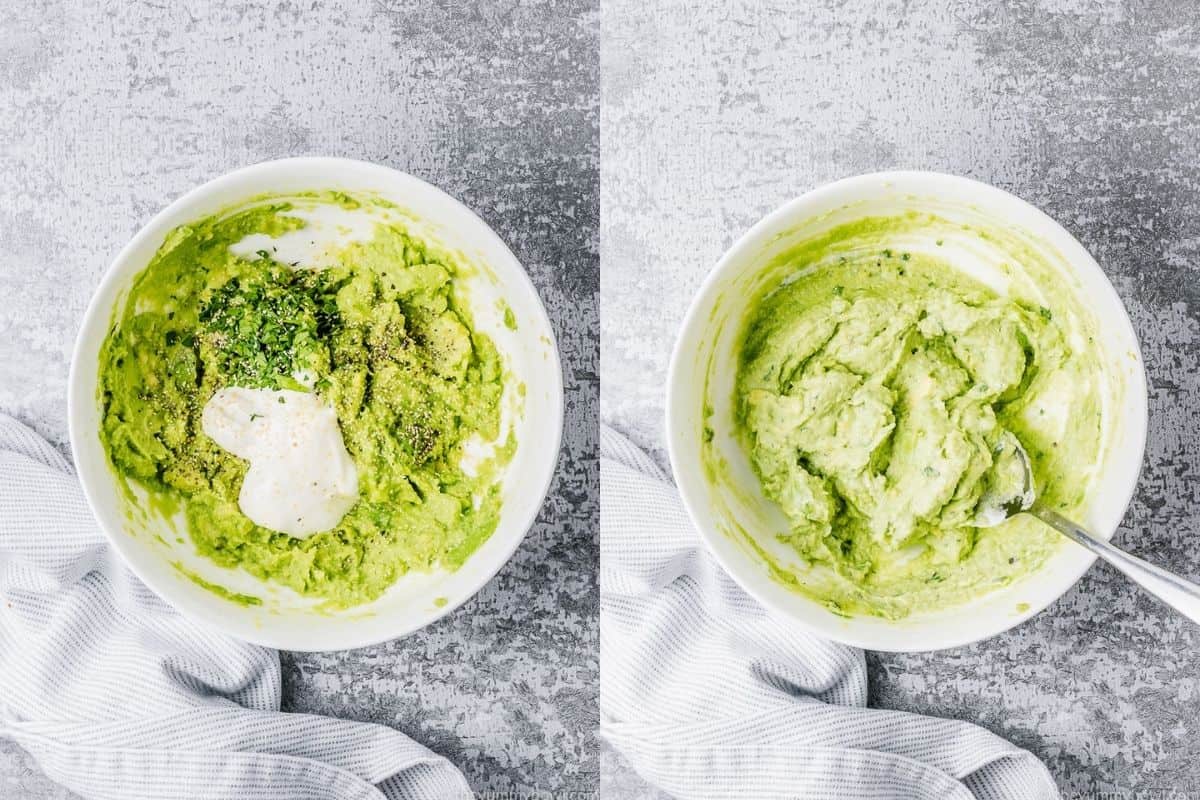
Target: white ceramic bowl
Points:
(286, 620)
(703, 368)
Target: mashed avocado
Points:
(380, 331)
(876, 390)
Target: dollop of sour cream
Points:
(301, 479)
(327, 229)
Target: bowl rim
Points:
(787, 211)
(157, 226)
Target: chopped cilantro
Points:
(259, 326)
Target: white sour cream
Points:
(301, 479)
(328, 230)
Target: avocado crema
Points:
(379, 332)
(876, 392)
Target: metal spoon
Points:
(1013, 493)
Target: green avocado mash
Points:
(382, 333)
(875, 393)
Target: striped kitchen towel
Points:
(118, 697)
(709, 696)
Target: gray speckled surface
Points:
(714, 114)
(108, 111)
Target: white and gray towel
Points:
(119, 697)
(710, 696)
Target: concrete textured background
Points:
(715, 113)
(108, 111)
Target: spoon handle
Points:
(1179, 594)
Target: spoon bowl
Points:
(1011, 489)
